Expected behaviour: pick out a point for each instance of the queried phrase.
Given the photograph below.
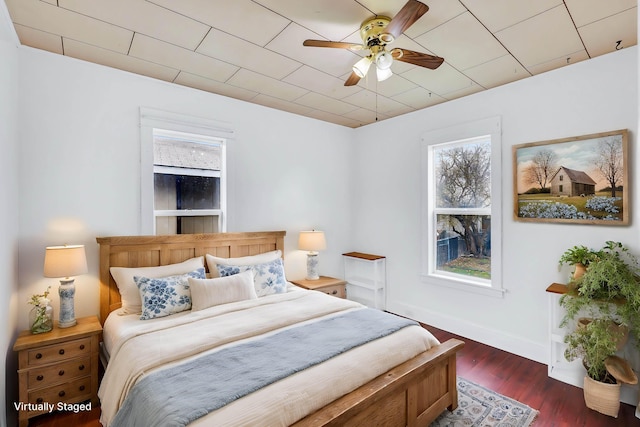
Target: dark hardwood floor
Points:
(559, 404)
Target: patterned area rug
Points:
(481, 407)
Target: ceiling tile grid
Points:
(252, 50)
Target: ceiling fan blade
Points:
(408, 15)
(417, 58)
(339, 45)
(352, 80)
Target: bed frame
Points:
(411, 394)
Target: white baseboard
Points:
(510, 343)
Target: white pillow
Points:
(206, 293)
(214, 261)
(129, 293)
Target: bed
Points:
(364, 385)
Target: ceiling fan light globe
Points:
(384, 60)
(362, 67)
(383, 73)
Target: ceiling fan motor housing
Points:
(372, 31)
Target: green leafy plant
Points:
(578, 254)
(608, 292)
(593, 343)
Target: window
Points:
(183, 174)
(461, 207)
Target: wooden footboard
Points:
(412, 394)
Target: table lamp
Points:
(312, 241)
(63, 262)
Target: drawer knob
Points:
(61, 394)
(61, 351)
(82, 347)
(39, 377)
(61, 372)
(334, 292)
(39, 400)
(81, 367)
(39, 356)
(81, 388)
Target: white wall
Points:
(588, 97)
(8, 214)
(79, 167)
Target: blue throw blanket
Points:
(179, 395)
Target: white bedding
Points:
(137, 348)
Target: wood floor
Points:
(559, 404)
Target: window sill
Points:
(467, 287)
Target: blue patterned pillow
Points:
(268, 278)
(163, 296)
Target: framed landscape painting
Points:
(578, 180)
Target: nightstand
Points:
(58, 367)
(328, 285)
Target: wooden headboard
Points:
(151, 251)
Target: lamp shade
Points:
(312, 241)
(65, 261)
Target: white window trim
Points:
(491, 126)
(151, 118)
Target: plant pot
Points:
(602, 397)
(579, 270)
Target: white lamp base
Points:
(312, 266)
(67, 313)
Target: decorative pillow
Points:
(268, 277)
(129, 293)
(206, 293)
(214, 261)
(162, 296)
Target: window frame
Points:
(461, 134)
(151, 119)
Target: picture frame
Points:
(569, 180)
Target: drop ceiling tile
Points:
(54, 20)
(242, 18)
(394, 86)
(333, 20)
(497, 15)
(602, 36)
(362, 115)
(419, 98)
(363, 99)
(584, 12)
(497, 72)
(247, 55)
(266, 85)
(53, 2)
(208, 85)
(463, 42)
(160, 52)
(39, 39)
(279, 104)
(563, 61)
(143, 17)
(325, 103)
(112, 59)
(532, 46)
(334, 118)
(317, 81)
(440, 11)
(333, 61)
(468, 90)
(441, 81)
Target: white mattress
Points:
(136, 351)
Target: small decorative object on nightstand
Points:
(312, 241)
(64, 262)
(57, 368)
(328, 285)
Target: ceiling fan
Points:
(376, 34)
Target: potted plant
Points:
(578, 256)
(609, 293)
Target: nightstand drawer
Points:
(336, 291)
(63, 392)
(56, 352)
(47, 375)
